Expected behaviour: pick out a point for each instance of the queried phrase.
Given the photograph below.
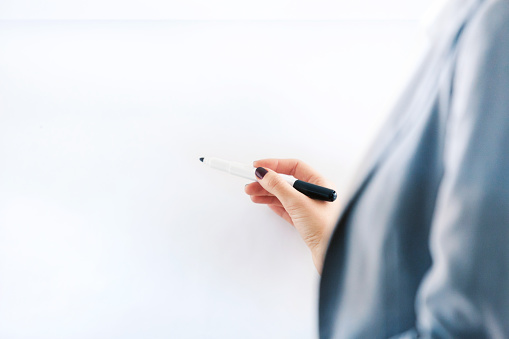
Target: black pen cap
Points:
(315, 191)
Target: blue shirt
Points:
(421, 249)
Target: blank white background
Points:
(110, 227)
(212, 9)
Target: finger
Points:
(279, 210)
(258, 199)
(275, 184)
(256, 189)
(294, 167)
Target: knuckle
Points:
(274, 183)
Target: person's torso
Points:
(379, 251)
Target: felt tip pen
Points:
(248, 172)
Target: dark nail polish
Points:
(260, 172)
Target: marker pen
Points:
(248, 172)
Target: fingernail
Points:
(260, 172)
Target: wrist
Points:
(318, 252)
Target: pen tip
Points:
(201, 159)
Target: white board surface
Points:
(110, 227)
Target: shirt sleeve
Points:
(465, 294)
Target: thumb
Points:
(275, 184)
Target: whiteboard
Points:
(110, 226)
(213, 10)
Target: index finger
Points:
(294, 167)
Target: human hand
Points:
(313, 219)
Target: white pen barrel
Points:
(244, 171)
(217, 163)
(240, 170)
(235, 168)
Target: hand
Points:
(313, 219)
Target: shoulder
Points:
(483, 48)
(488, 27)
(480, 79)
